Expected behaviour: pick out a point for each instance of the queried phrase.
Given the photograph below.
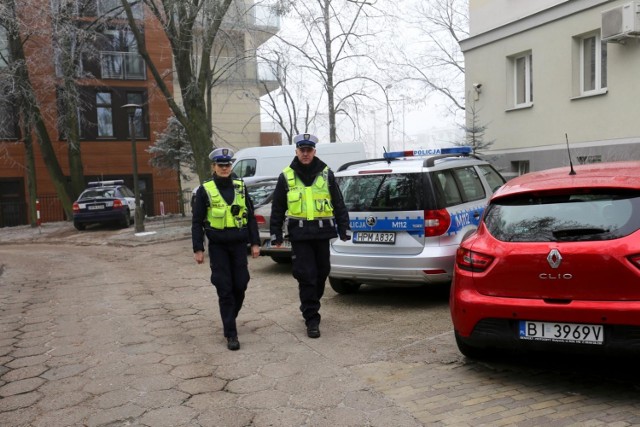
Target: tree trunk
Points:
(31, 173)
(34, 115)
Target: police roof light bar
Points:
(421, 152)
(105, 183)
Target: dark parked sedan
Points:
(104, 202)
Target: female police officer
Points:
(222, 210)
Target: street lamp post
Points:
(386, 96)
(139, 215)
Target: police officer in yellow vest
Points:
(223, 211)
(307, 196)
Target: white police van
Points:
(409, 211)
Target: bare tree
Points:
(334, 47)
(28, 23)
(19, 28)
(289, 106)
(197, 38)
(431, 55)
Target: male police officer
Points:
(222, 210)
(307, 194)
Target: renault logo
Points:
(554, 258)
(371, 221)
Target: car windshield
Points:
(393, 192)
(577, 216)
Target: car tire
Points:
(470, 351)
(79, 226)
(344, 287)
(126, 220)
(281, 259)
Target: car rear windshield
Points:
(576, 216)
(99, 193)
(393, 192)
(261, 192)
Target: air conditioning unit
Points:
(621, 22)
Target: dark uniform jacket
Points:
(200, 225)
(315, 229)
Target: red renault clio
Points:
(554, 264)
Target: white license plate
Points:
(562, 332)
(285, 245)
(374, 237)
(95, 207)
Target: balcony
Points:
(114, 9)
(122, 66)
(268, 76)
(261, 21)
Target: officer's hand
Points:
(199, 257)
(345, 237)
(255, 251)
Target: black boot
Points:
(233, 343)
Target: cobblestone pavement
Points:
(105, 328)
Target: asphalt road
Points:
(108, 328)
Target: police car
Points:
(105, 201)
(409, 211)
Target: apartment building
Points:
(541, 74)
(115, 75)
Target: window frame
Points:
(107, 108)
(598, 66)
(527, 96)
(4, 48)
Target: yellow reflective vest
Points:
(219, 212)
(312, 202)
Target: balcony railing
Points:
(114, 9)
(122, 66)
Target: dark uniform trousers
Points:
(311, 268)
(230, 276)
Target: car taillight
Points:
(76, 207)
(260, 220)
(117, 203)
(436, 222)
(635, 260)
(472, 261)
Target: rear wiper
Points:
(568, 233)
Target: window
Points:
(245, 168)
(593, 64)
(104, 110)
(119, 57)
(370, 193)
(104, 117)
(565, 216)
(4, 48)
(138, 117)
(520, 166)
(492, 177)
(114, 8)
(523, 79)
(8, 119)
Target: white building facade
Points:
(541, 73)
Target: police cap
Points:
(305, 140)
(221, 156)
